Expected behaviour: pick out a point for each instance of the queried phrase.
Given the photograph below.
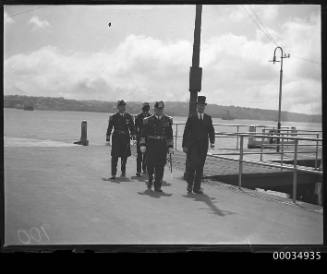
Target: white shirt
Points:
(200, 115)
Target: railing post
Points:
(261, 149)
(316, 161)
(282, 153)
(240, 168)
(251, 139)
(176, 136)
(295, 171)
(237, 138)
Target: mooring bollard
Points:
(83, 140)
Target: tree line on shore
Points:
(172, 108)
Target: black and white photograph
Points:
(162, 124)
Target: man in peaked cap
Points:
(123, 125)
(157, 140)
(141, 157)
(198, 130)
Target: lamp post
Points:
(282, 56)
(195, 70)
(195, 76)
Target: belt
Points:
(156, 137)
(120, 131)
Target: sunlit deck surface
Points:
(62, 190)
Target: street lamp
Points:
(282, 56)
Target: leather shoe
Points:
(198, 191)
(158, 190)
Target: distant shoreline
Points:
(172, 108)
(109, 113)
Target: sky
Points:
(145, 55)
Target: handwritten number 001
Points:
(34, 234)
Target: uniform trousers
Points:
(194, 170)
(114, 161)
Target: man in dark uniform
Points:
(124, 129)
(198, 130)
(141, 157)
(157, 140)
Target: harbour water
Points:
(65, 126)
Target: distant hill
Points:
(172, 108)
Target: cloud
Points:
(236, 71)
(266, 12)
(263, 13)
(38, 23)
(7, 19)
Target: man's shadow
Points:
(145, 178)
(117, 180)
(165, 183)
(155, 194)
(139, 178)
(209, 202)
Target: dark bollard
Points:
(83, 141)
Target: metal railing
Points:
(235, 128)
(295, 167)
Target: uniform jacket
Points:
(152, 126)
(139, 122)
(198, 131)
(123, 129)
(121, 124)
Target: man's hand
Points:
(142, 149)
(212, 146)
(185, 149)
(171, 150)
(108, 138)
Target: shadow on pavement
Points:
(209, 202)
(118, 180)
(164, 183)
(154, 194)
(139, 178)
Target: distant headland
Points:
(172, 108)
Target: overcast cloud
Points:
(142, 62)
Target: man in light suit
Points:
(198, 130)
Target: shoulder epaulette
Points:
(146, 119)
